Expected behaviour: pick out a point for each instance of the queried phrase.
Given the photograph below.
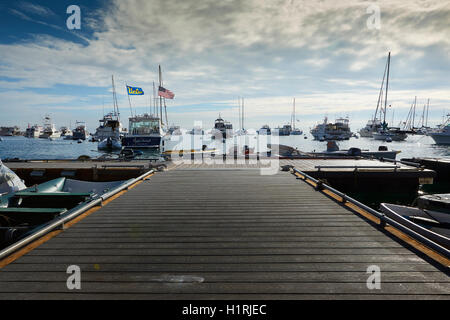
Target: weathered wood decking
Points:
(222, 234)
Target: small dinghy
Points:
(22, 210)
(434, 225)
(110, 144)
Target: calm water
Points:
(24, 148)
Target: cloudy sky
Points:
(329, 55)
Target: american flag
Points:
(165, 93)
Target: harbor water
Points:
(44, 149)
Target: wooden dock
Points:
(223, 234)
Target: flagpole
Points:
(160, 98)
(129, 100)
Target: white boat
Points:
(265, 130)
(442, 134)
(50, 130)
(372, 126)
(9, 181)
(340, 130)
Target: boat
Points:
(144, 132)
(295, 131)
(222, 129)
(34, 132)
(381, 153)
(265, 130)
(386, 133)
(283, 131)
(80, 132)
(65, 131)
(110, 125)
(372, 126)
(50, 131)
(9, 131)
(442, 134)
(25, 209)
(432, 224)
(9, 181)
(110, 144)
(340, 130)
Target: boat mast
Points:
(129, 100)
(428, 109)
(387, 87)
(115, 104)
(380, 98)
(243, 114)
(240, 118)
(414, 113)
(293, 117)
(160, 98)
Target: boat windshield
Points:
(144, 126)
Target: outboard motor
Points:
(355, 152)
(9, 181)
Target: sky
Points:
(329, 55)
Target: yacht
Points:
(34, 131)
(284, 131)
(80, 132)
(65, 132)
(390, 134)
(144, 132)
(110, 126)
(222, 128)
(442, 134)
(371, 127)
(265, 130)
(50, 130)
(340, 130)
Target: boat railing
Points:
(383, 219)
(70, 215)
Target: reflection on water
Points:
(24, 148)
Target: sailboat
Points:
(385, 133)
(294, 131)
(109, 133)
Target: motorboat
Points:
(80, 132)
(371, 127)
(381, 153)
(265, 130)
(22, 210)
(222, 129)
(144, 132)
(390, 134)
(340, 130)
(50, 130)
(34, 132)
(433, 223)
(442, 134)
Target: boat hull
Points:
(141, 142)
(441, 138)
